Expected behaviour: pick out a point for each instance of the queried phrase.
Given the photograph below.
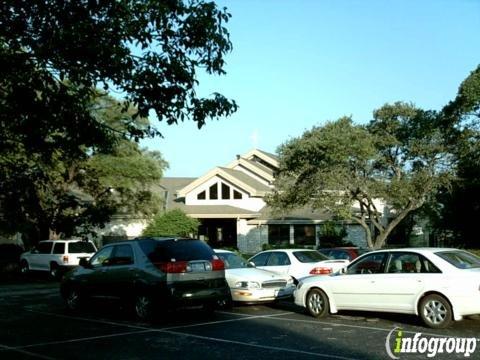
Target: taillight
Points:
(320, 271)
(217, 264)
(65, 259)
(173, 267)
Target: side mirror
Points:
(84, 263)
(34, 251)
(251, 264)
(343, 271)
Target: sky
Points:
(296, 64)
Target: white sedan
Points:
(437, 284)
(248, 284)
(297, 263)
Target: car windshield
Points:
(460, 259)
(309, 256)
(232, 261)
(79, 247)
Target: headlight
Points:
(299, 285)
(290, 281)
(247, 285)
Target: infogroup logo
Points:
(431, 346)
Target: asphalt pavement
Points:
(35, 325)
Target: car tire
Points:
(24, 267)
(143, 307)
(435, 311)
(317, 303)
(73, 299)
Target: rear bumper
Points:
(179, 294)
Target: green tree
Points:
(66, 195)
(458, 208)
(53, 56)
(398, 159)
(172, 223)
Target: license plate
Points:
(197, 266)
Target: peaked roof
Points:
(236, 177)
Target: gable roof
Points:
(236, 177)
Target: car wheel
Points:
(143, 307)
(435, 311)
(317, 303)
(54, 271)
(73, 299)
(24, 267)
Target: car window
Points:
(278, 259)
(309, 256)
(260, 259)
(369, 264)
(122, 255)
(44, 247)
(102, 257)
(176, 250)
(460, 259)
(232, 261)
(405, 262)
(59, 248)
(79, 247)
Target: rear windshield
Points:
(176, 250)
(79, 247)
(460, 259)
(309, 256)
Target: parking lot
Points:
(34, 324)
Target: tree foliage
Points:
(399, 160)
(458, 208)
(55, 54)
(67, 196)
(172, 223)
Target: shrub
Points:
(172, 223)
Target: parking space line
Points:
(333, 324)
(266, 347)
(21, 351)
(168, 330)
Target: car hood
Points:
(253, 274)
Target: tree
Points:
(398, 159)
(458, 207)
(53, 56)
(68, 196)
(172, 223)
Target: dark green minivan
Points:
(152, 274)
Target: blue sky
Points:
(297, 64)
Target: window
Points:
(401, 262)
(309, 256)
(102, 257)
(369, 264)
(214, 192)
(45, 247)
(202, 195)
(122, 255)
(237, 195)
(59, 248)
(79, 247)
(225, 191)
(279, 234)
(278, 259)
(304, 234)
(460, 259)
(260, 259)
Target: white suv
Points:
(56, 256)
